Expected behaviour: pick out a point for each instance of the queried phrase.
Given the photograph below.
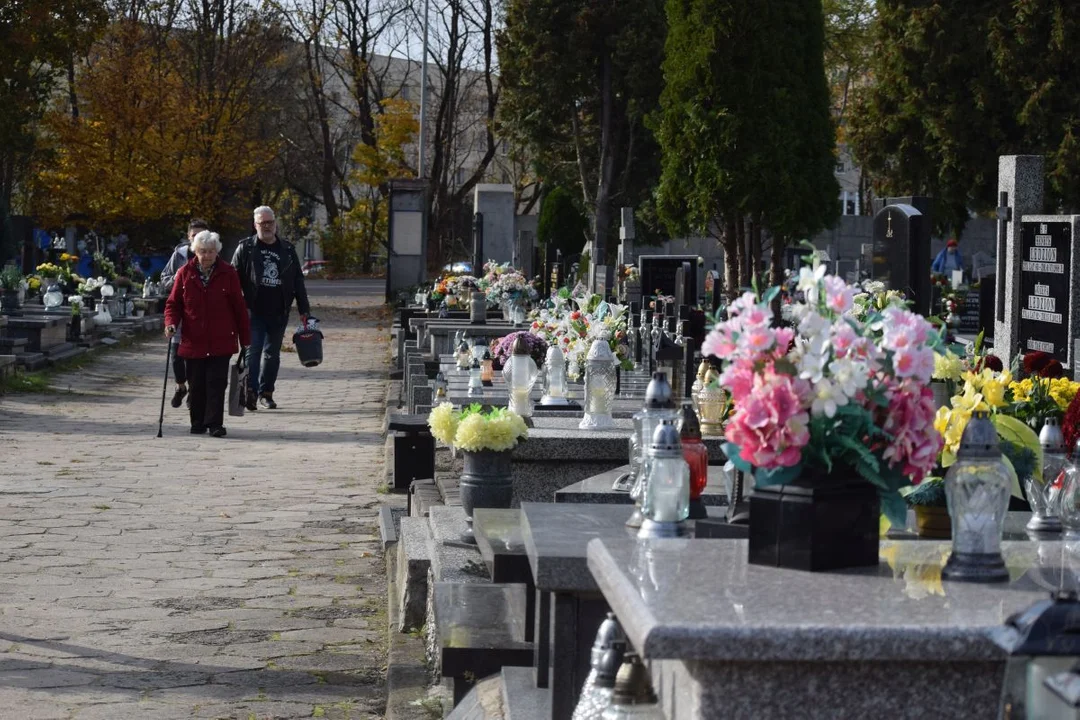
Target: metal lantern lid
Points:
(980, 439)
(600, 351)
(475, 364)
(607, 668)
(658, 395)
(689, 425)
(1051, 438)
(703, 370)
(440, 379)
(632, 685)
(665, 441)
(554, 356)
(1049, 627)
(463, 346)
(487, 354)
(520, 347)
(609, 636)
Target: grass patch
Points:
(276, 637)
(37, 382)
(102, 507)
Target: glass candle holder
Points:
(555, 377)
(600, 384)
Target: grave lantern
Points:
(520, 375)
(606, 658)
(600, 384)
(1041, 641)
(476, 384)
(478, 309)
(633, 697)
(486, 367)
(1045, 497)
(711, 400)
(440, 387)
(53, 297)
(659, 405)
(479, 347)
(667, 482)
(977, 487)
(555, 373)
(463, 356)
(697, 457)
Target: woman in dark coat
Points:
(206, 297)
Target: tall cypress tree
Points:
(744, 125)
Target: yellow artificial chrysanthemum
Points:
(1022, 389)
(1063, 390)
(443, 423)
(499, 431)
(948, 366)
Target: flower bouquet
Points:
(49, 270)
(500, 354)
(833, 395)
(575, 322)
(473, 430)
(504, 285)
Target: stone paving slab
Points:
(196, 577)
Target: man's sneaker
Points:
(178, 396)
(251, 403)
(218, 431)
(267, 401)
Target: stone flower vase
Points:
(933, 521)
(485, 483)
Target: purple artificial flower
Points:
(500, 353)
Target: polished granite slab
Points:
(557, 537)
(502, 545)
(700, 600)
(597, 489)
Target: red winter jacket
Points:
(213, 319)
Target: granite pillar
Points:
(1021, 177)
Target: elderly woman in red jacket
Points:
(207, 298)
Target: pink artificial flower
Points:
(738, 378)
(756, 316)
(757, 339)
(718, 343)
(838, 296)
(909, 420)
(770, 425)
(783, 336)
(843, 339)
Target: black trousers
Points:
(179, 369)
(208, 379)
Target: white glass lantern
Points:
(107, 291)
(476, 382)
(659, 406)
(667, 498)
(555, 373)
(479, 348)
(599, 387)
(1045, 496)
(520, 374)
(440, 387)
(463, 356)
(977, 488)
(53, 297)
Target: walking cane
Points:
(165, 385)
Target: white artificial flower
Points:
(810, 281)
(827, 399)
(850, 376)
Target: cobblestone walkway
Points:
(195, 577)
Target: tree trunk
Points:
(755, 251)
(740, 235)
(731, 260)
(610, 128)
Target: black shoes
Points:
(251, 403)
(267, 401)
(178, 396)
(198, 429)
(218, 431)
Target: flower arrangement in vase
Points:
(833, 398)
(500, 353)
(472, 429)
(575, 321)
(504, 285)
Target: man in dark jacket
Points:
(271, 278)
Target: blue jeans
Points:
(265, 351)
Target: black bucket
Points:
(308, 347)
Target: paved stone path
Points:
(195, 577)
